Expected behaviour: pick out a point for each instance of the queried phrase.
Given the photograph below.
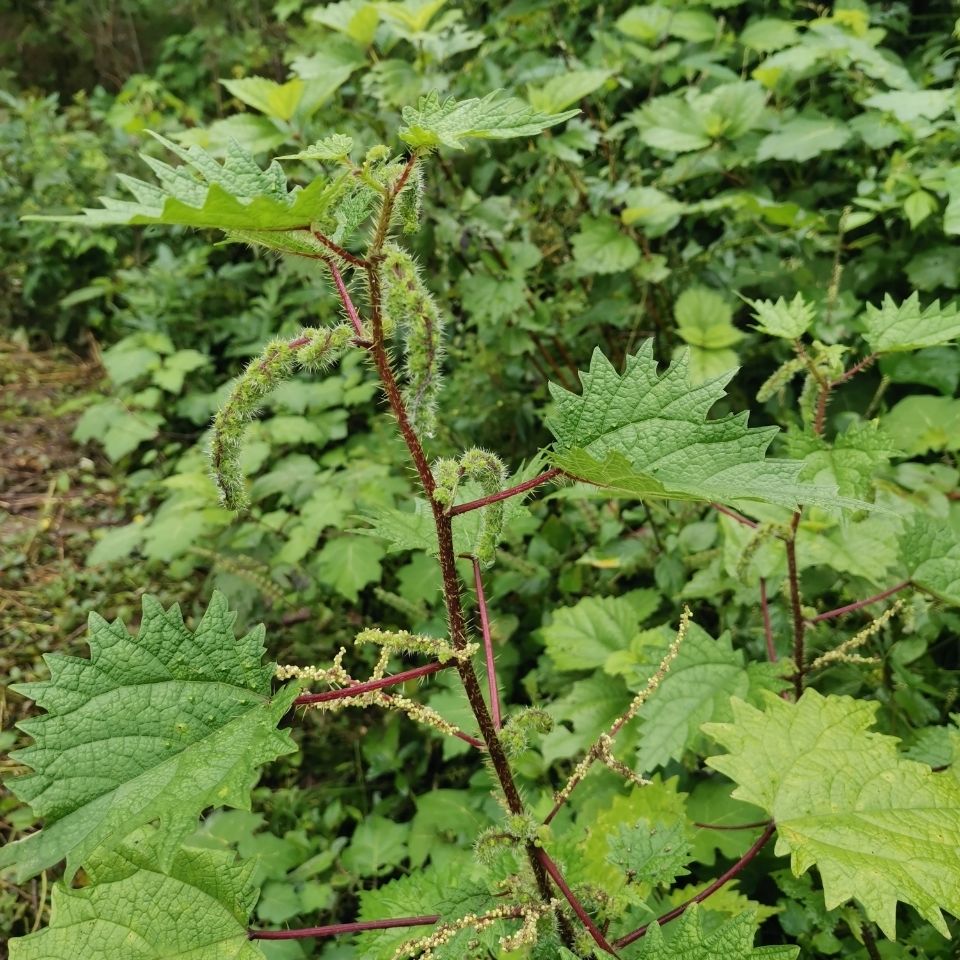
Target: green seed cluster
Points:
(516, 732)
(411, 309)
(314, 349)
(402, 641)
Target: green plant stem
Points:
(758, 845)
(799, 624)
(494, 692)
(736, 826)
(850, 607)
(370, 685)
(537, 481)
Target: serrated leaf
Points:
(348, 564)
(698, 688)
(851, 461)
(894, 327)
(782, 319)
(909, 106)
(335, 147)
(803, 138)
(920, 423)
(645, 435)
(235, 196)
(153, 727)
(878, 827)
(450, 122)
(703, 319)
(930, 553)
(732, 941)
(586, 635)
(652, 852)
(136, 908)
(427, 892)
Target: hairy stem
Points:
(557, 877)
(345, 299)
(494, 693)
(537, 481)
(758, 845)
(850, 607)
(369, 685)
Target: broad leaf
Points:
(153, 727)
(235, 196)
(645, 435)
(435, 122)
(698, 688)
(348, 564)
(651, 851)
(893, 327)
(732, 941)
(879, 828)
(930, 553)
(566, 89)
(601, 247)
(803, 138)
(278, 100)
(135, 908)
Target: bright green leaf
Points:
(278, 100)
(878, 827)
(930, 553)
(781, 319)
(803, 138)
(893, 327)
(566, 89)
(703, 319)
(348, 564)
(601, 247)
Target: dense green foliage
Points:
(762, 185)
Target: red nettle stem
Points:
(337, 929)
(767, 626)
(557, 877)
(733, 515)
(345, 299)
(487, 646)
(538, 481)
(370, 685)
(850, 607)
(758, 845)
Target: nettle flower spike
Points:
(314, 349)
(411, 309)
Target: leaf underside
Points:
(644, 434)
(879, 827)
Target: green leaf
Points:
(652, 852)
(909, 106)
(644, 435)
(878, 827)
(156, 727)
(703, 319)
(450, 122)
(601, 247)
(348, 564)
(427, 892)
(698, 688)
(236, 196)
(803, 138)
(781, 319)
(930, 553)
(278, 100)
(919, 424)
(137, 908)
(335, 147)
(657, 212)
(585, 636)
(567, 88)
(893, 327)
(851, 461)
(732, 941)
(255, 133)
(356, 19)
(120, 430)
(768, 34)
(377, 846)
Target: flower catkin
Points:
(314, 349)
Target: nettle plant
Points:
(141, 738)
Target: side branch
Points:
(360, 688)
(758, 845)
(537, 481)
(345, 299)
(337, 929)
(487, 646)
(850, 607)
(799, 624)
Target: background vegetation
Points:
(726, 152)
